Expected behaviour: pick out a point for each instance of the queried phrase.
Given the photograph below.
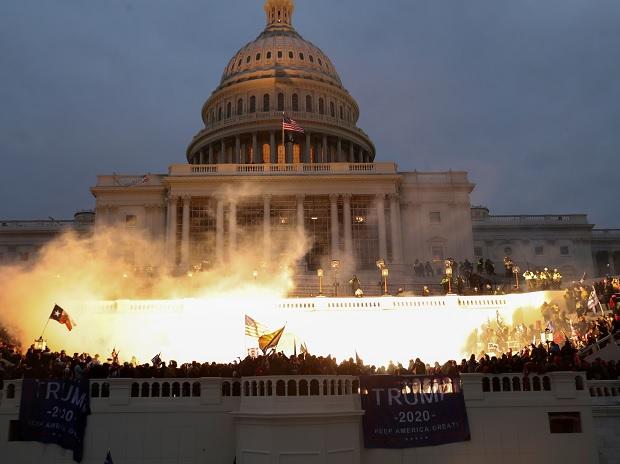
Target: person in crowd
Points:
(489, 267)
(480, 266)
(428, 269)
(508, 266)
(356, 287)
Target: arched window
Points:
(219, 114)
(301, 56)
(280, 102)
(311, 59)
(279, 53)
(268, 55)
(228, 110)
(258, 57)
(332, 109)
(266, 102)
(247, 60)
(321, 106)
(295, 102)
(309, 103)
(239, 106)
(252, 104)
(290, 55)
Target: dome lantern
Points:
(279, 13)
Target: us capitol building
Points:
(244, 186)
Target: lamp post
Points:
(448, 265)
(516, 271)
(335, 266)
(319, 274)
(384, 273)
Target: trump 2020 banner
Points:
(411, 411)
(55, 411)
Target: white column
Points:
(185, 232)
(172, 229)
(273, 156)
(219, 231)
(397, 243)
(100, 218)
(324, 151)
(381, 224)
(267, 228)
(236, 155)
(147, 225)
(335, 241)
(232, 229)
(348, 233)
(300, 214)
(339, 151)
(307, 148)
(256, 156)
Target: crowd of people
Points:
(463, 278)
(603, 295)
(552, 343)
(533, 358)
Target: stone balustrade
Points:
(37, 225)
(604, 392)
(535, 219)
(281, 169)
(213, 389)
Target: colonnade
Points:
(247, 148)
(173, 245)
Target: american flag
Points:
(253, 328)
(291, 125)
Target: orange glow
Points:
(201, 316)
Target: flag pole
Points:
(45, 326)
(600, 306)
(283, 142)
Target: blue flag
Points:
(108, 459)
(55, 411)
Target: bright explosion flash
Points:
(88, 279)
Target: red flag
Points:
(62, 317)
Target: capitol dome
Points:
(280, 73)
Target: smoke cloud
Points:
(80, 274)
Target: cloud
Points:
(524, 90)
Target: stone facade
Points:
(317, 419)
(248, 181)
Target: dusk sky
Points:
(522, 94)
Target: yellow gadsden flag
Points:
(270, 340)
